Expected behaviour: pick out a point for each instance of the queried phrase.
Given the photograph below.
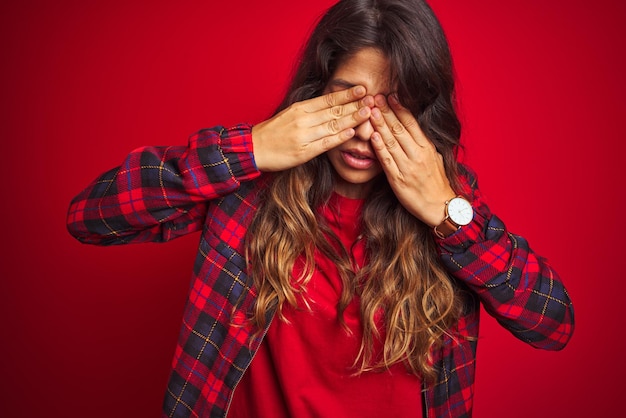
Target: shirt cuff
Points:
(466, 236)
(236, 145)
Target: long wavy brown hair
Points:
(403, 281)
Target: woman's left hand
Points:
(411, 162)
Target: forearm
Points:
(160, 193)
(516, 286)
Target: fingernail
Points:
(359, 90)
(368, 101)
(379, 101)
(376, 113)
(364, 111)
(393, 99)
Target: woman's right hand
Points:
(309, 128)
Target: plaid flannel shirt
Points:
(212, 185)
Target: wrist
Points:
(257, 146)
(436, 214)
(458, 213)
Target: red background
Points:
(89, 332)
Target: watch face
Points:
(460, 211)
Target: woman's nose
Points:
(364, 131)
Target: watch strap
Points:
(446, 228)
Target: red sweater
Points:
(303, 368)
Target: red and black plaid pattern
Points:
(212, 185)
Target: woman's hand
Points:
(309, 128)
(411, 162)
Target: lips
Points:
(358, 159)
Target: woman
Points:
(344, 250)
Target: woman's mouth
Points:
(357, 160)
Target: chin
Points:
(355, 184)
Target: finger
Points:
(330, 100)
(329, 142)
(342, 116)
(394, 128)
(334, 126)
(385, 158)
(392, 133)
(407, 119)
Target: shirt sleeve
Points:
(516, 286)
(160, 193)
